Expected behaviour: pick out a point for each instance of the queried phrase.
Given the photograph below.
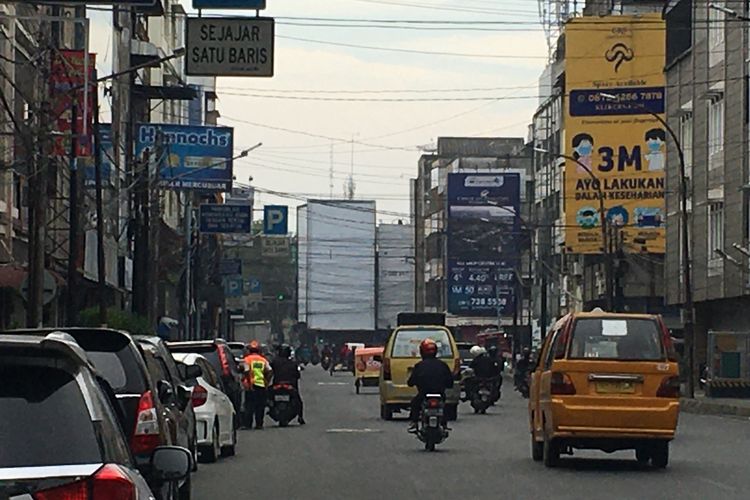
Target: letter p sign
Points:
(275, 220)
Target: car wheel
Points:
(537, 449)
(660, 454)
(451, 412)
(210, 453)
(229, 450)
(386, 412)
(642, 455)
(551, 452)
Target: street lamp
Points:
(608, 266)
(688, 308)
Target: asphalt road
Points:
(346, 452)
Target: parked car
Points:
(173, 387)
(214, 411)
(118, 358)
(60, 435)
(238, 349)
(218, 353)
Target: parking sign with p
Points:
(276, 220)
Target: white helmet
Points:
(477, 351)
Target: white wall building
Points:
(395, 272)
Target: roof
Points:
(369, 351)
(57, 341)
(187, 357)
(603, 314)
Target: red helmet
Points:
(428, 348)
(253, 347)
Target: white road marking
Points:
(333, 383)
(353, 431)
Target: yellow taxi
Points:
(608, 382)
(401, 354)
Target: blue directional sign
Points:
(275, 220)
(230, 4)
(225, 218)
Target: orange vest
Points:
(256, 375)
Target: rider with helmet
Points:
(286, 371)
(429, 376)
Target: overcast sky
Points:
(387, 135)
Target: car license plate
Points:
(433, 422)
(615, 387)
(282, 397)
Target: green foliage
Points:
(118, 320)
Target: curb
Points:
(702, 407)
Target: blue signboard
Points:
(230, 267)
(275, 220)
(107, 157)
(483, 243)
(233, 286)
(230, 4)
(254, 286)
(225, 218)
(189, 157)
(627, 101)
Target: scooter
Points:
(481, 395)
(283, 404)
(431, 427)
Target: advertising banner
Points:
(68, 72)
(614, 76)
(225, 218)
(188, 157)
(483, 243)
(107, 157)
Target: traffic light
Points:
(281, 297)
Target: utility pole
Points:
(100, 258)
(72, 303)
(188, 259)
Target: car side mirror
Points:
(165, 391)
(171, 463)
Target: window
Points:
(686, 141)
(679, 30)
(716, 27)
(406, 343)
(715, 126)
(715, 237)
(620, 339)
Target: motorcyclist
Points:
(286, 371)
(522, 366)
(429, 376)
(483, 368)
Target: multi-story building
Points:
(395, 272)
(430, 210)
(707, 72)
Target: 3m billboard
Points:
(483, 243)
(615, 79)
(188, 157)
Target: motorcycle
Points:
(283, 404)
(481, 394)
(431, 427)
(325, 362)
(522, 384)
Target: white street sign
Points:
(229, 46)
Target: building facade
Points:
(395, 272)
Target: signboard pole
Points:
(188, 245)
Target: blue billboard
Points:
(189, 157)
(483, 243)
(216, 218)
(107, 157)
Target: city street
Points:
(346, 451)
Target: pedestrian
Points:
(256, 385)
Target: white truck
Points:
(245, 331)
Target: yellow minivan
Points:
(399, 357)
(608, 382)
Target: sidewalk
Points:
(716, 406)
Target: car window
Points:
(120, 368)
(45, 420)
(209, 374)
(155, 369)
(406, 343)
(622, 339)
(550, 354)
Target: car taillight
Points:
(225, 370)
(669, 388)
(109, 483)
(200, 396)
(387, 369)
(561, 384)
(146, 436)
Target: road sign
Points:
(275, 220)
(241, 46)
(230, 4)
(233, 286)
(229, 267)
(50, 288)
(254, 286)
(225, 218)
(275, 246)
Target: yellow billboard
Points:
(615, 146)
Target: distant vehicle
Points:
(172, 390)
(61, 437)
(216, 418)
(608, 382)
(400, 355)
(238, 349)
(218, 353)
(247, 331)
(118, 358)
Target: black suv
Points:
(61, 436)
(218, 353)
(119, 359)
